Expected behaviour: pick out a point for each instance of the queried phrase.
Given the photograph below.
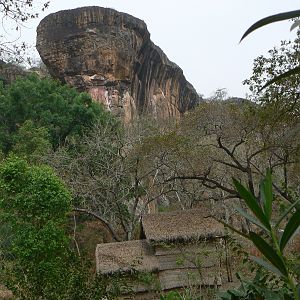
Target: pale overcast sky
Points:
(201, 36)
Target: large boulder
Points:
(110, 55)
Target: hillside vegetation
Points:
(72, 175)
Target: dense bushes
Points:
(34, 204)
(59, 109)
(37, 260)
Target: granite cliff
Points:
(110, 55)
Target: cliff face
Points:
(110, 55)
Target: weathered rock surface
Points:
(10, 72)
(110, 55)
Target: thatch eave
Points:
(182, 226)
(125, 257)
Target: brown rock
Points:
(10, 72)
(110, 55)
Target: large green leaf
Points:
(284, 75)
(252, 203)
(295, 25)
(267, 194)
(250, 218)
(288, 210)
(266, 265)
(290, 229)
(269, 253)
(271, 19)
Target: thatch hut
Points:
(135, 264)
(129, 256)
(188, 246)
(186, 225)
(181, 248)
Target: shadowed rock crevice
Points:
(110, 55)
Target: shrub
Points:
(34, 204)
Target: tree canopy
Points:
(59, 109)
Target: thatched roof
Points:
(193, 224)
(125, 256)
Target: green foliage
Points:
(173, 295)
(86, 286)
(260, 287)
(31, 142)
(59, 109)
(149, 280)
(287, 74)
(110, 286)
(281, 98)
(34, 203)
(269, 243)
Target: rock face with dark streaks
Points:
(110, 55)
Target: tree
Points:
(92, 169)
(35, 203)
(59, 109)
(112, 174)
(31, 142)
(20, 10)
(220, 94)
(16, 13)
(238, 140)
(283, 95)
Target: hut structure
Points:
(180, 249)
(125, 257)
(188, 246)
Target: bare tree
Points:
(15, 14)
(238, 141)
(110, 176)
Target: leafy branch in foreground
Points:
(270, 243)
(272, 19)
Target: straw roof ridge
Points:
(186, 225)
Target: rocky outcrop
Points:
(10, 72)
(110, 55)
